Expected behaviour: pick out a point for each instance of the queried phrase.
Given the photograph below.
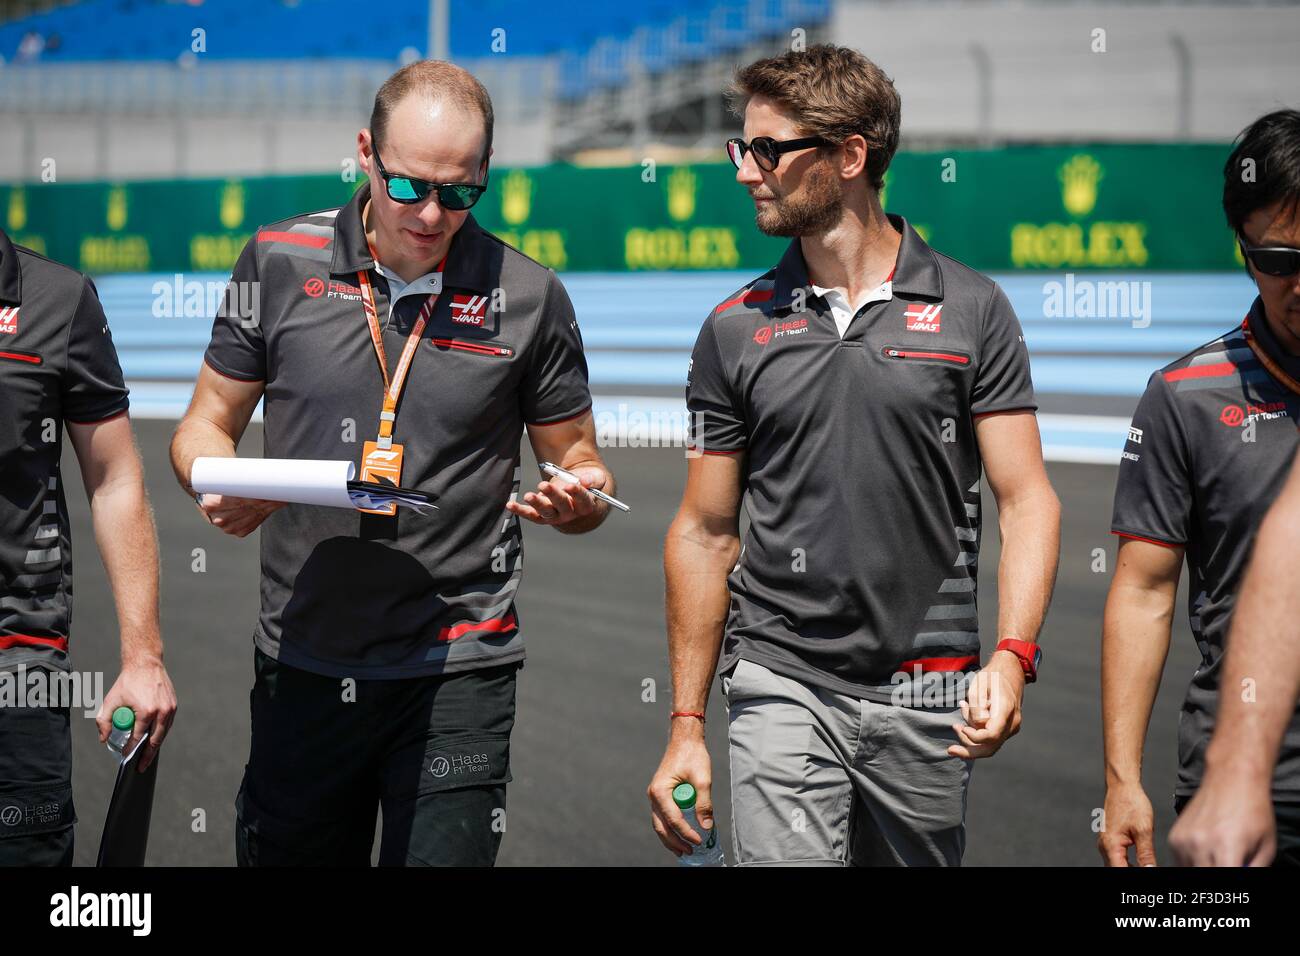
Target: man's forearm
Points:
(1261, 672)
(1030, 528)
(128, 544)
(696, 565)
(197, 437)
(1134, 644)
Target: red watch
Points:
(1028, 652)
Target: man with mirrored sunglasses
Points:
(408, 190)
(396, 333)
(1208, 452)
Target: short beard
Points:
(816, 211)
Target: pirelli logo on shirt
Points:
(9, 319)
(923, 318)
(469, 309)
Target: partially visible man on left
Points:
(57, 366)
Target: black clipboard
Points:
(388, 488)
(126, 829)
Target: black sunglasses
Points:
(407, 189)
(1279, 261)
(767, 151)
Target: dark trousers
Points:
(36, 813)
(327, 754)
(1287, 817)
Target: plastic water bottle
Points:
(120, 735)
(709, 853)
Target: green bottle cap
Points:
(684, 796)
(123, 718)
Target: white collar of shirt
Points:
(427, 284)
(840, 309)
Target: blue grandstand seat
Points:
(767, 17)
(650, 47)
(729, 27)
(606, 64)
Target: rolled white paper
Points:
(300, 481)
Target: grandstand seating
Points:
(600, 37)
(594, 79)
(155, 30)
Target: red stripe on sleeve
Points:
(747, 298)
(98, 421)
(1138, 537)
(245, 381)
(560, 421)
(1201, 371)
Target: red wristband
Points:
(687, 713)
(1029, 654)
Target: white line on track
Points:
(1084, 439)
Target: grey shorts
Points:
(825, 779)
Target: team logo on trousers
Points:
(923, 318)
(9, 319)
(469, 309)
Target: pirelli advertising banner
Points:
(1031, 207)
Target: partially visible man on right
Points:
(1208, 452)
(1230, 820)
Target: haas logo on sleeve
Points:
(9, 319)
(469, 309)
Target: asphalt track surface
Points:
(585, 742)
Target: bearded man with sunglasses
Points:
(855, 392)
(395, 333)
(1208, 452)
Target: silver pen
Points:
(555, 471)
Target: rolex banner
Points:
(1029, 207)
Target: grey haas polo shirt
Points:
(355, 595)
(57, 366)
(1210, 447)
(862, 469)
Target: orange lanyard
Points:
(393, 388)
(1265, 360)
